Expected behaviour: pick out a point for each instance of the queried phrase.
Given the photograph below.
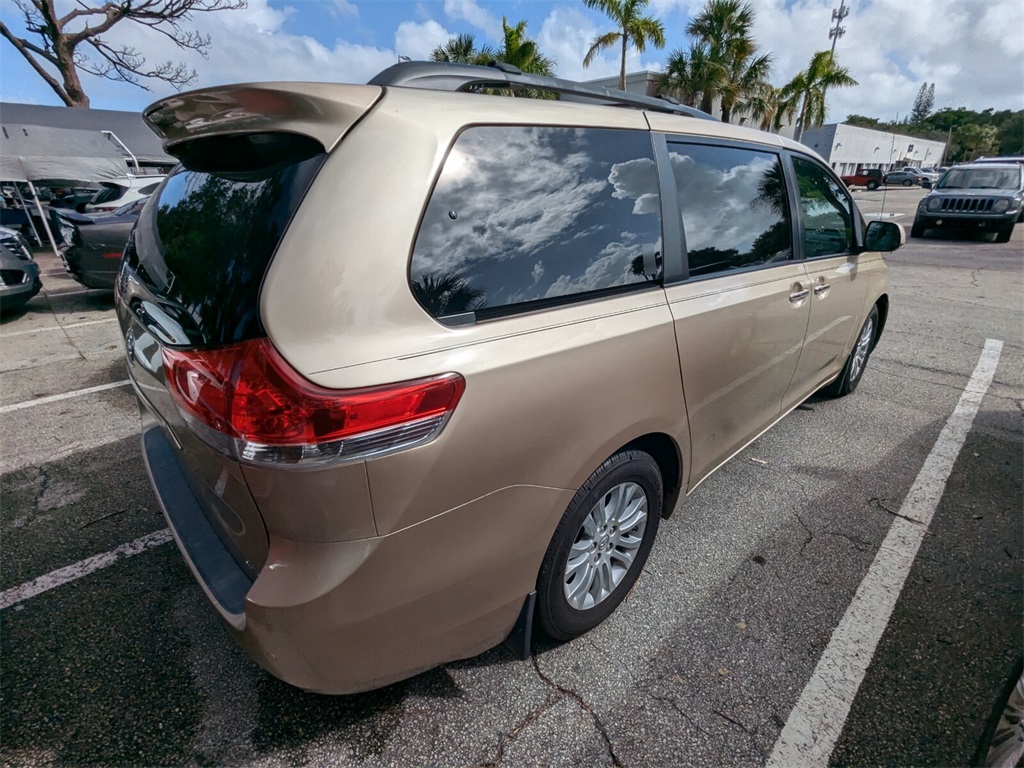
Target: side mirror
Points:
(926, 183)
(884, 236)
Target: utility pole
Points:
(838, 30)
(835, 33)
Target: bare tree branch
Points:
(58, 44)
(23, 48)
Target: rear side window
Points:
(527, 217)
(206, 238)
(734, 207)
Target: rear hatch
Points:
(192, 271)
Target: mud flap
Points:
(519, 639)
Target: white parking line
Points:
(43, 328)
(70, 573)
(817, 720)
(62, 396)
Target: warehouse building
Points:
(849, 148)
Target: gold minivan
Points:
(419, 365)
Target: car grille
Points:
(17, 245)
(12, 276)
(967, 204)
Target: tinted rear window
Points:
(204, 242)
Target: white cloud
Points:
(469, 11)
(973, 52)
(417, 40)
(345, 8)
(566, 35)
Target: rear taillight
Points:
(247, 400)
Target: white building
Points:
(646, 84)
(848, 148)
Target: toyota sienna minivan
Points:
(420, 365)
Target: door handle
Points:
(798, 295)
(821, 290)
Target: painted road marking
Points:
(56, 327)
(62, 396)
(70, 573)
(817, 720)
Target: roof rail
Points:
(442, 76)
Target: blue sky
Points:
(972, 49)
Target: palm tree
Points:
(687, 75)
(462, 49)
(807, 88)
(764, 107)
(447, 293)
(735, 69)
(519, 51)
(631, 28)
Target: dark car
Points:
(982, 196)
(19, 274)
(96, 242)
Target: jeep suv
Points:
(988, 197)
(418, 364)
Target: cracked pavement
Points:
(700, 666)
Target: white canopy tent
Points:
(33, 153)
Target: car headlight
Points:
(1002, 205)
(934, 204)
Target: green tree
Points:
(462, 49)
(520, 51)
(863, 121)
(724, 29)
(686, 75)
(763, 104)
(808, 88)
(973, 141)
(924, 103)
(631, 27)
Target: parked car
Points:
(865, 177)
(96, 242)
(19, 273)
(411, 362)
(114, 194)
(908, 176)
(982, 196)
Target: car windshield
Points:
(981, 178)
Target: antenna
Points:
(838, 14)
(892, 148)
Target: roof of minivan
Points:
(318, 110)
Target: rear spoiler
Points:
(323, 112)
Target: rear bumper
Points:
(77, 256)
(343, 617)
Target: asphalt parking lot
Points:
(110, 654)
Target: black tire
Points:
(917, 230)
(908, 183)
(556, 616)
(872, 185)
(1003, 235)
(853, 373)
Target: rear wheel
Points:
(858, 359)
(908, 183)
(872, 185)
(600, 545)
